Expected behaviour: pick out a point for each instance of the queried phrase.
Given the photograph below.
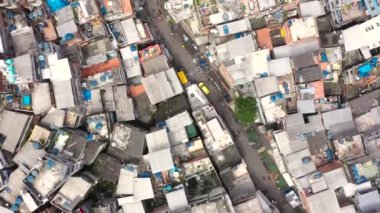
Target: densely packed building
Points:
(94, 118)
(313, 68)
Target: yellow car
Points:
(204, 88)
(182, 77)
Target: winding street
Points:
(183, 58)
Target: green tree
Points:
(246, 110)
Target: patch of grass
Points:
(253, 135)
(274, 171)
(246, 110)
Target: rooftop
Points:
(298, 129)
(349, 148)
(365, 102)
(286, 146)
(305, 60)
(298, 163)
(318, 146)
(154, 65)
(63, 94)
(369, 121)
(226, 158)
(127, 143)
(339, 122)
(129, 184)
(162, 86)
(312, 9)
(234, 27)
(266, 86)
(273, 110)
(47, 176)
(161, 160)
(302, 28)
(238, 182)
(280, 67)
(201, 178)
(177, 199)
(235, 48)
(124, 104)
(367, 31)
(196, 97)
(106, 168)
(71, 193)
(323, 201)
(14, 127)
(297, 48)
(369, 201)
(309, 74)
(264, 38)
(131, 61)
(336, 178)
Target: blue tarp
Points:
(225, 30)
(89, 137)
(87, 95)
(364, 70)
(323, 57)
(55, 5)
(329, 154)
(374, 61)
(26, 100)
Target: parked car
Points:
(204, 88)
(227, 97)
(203, 63)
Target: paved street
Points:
(184, 59)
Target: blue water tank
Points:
(30, 178)
(40, 45)
(36, 145)
(15, 207)
(133, 48)
(89, 137)
(50, 163)
(306, 160)
(103, 78)
(9, 61)
(87, 95)
(273, 98)
(99, 126)
(55, 151)
(18, 200)
(169, 187)
(34, 173)
(94, 83)
(69, 36)
(9, 98)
